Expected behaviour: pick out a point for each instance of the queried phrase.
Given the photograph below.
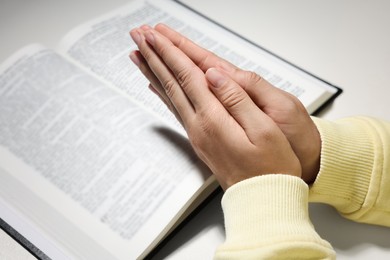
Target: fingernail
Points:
(136, 36)
(134, 58)
(149, 36)
(216, 78)
(146, 27)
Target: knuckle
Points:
(184, 76)
(252, 77)
(169, 86)
(164, 50)
(182, 42)
(293, 104)
(231, 97)
(268, 133)
(204, 130)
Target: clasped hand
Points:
(238, 124)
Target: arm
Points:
(284, 109)
(355, 169)
(228, 131)
(265, 203)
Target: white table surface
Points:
(344, 42)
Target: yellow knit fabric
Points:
(355, 169)
(266, 217)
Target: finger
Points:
(203, 58)
(259, 89)
(165, 77)
(187, 74)
(238, 103)
(143, 66)
(154, 85)
(170, 106)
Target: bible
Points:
(92, 164)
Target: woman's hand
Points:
(284, 109)
(227, 129)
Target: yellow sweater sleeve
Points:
(266, 217)
(354, 175)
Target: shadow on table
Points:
(347, 235)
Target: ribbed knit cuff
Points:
(347, 158)
(265, 209)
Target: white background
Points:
(344, 42)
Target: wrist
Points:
(267, 207)
(310, 156)
(311, 164)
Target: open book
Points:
(92, 164)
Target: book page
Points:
(103, 46)
(95, 172)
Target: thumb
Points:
(259, 89)
(237, 102)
